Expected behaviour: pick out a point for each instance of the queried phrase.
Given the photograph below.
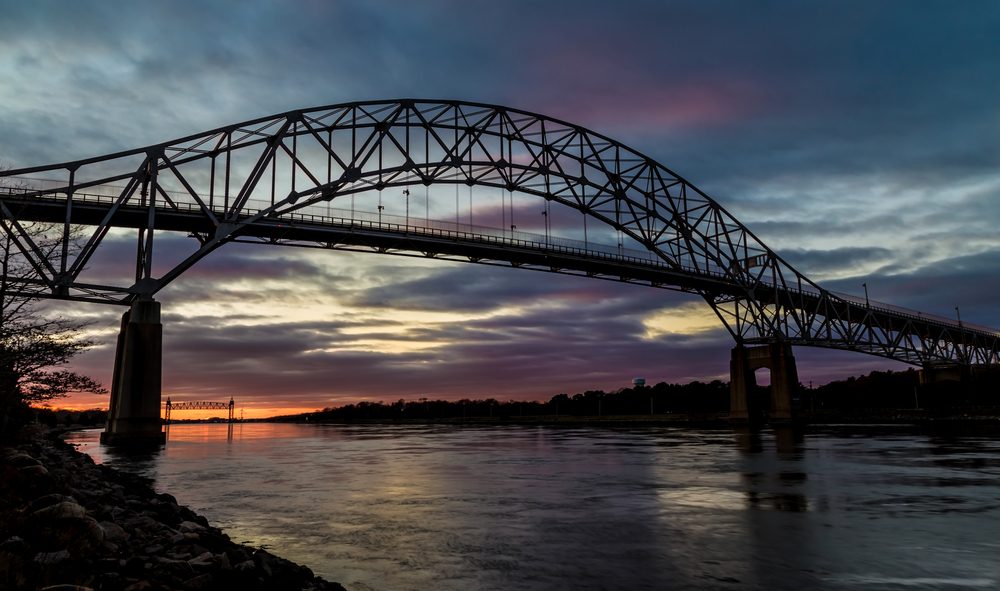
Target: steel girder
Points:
(264, 180)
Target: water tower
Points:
(638, 382)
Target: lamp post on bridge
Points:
(545, 223)
(867, 304)
(961, 352)
(406, 194)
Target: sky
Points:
(858, 139)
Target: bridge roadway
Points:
(395, 235)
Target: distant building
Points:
(638, 382)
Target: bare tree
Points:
(34, 343)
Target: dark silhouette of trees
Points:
(34, 341)
(696, 399)
(879, 394)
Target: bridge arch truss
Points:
(288, 179)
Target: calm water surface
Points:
(464, 508)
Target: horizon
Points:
(298, 411)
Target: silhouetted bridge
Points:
(169, 407)
(552, 196)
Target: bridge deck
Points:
(389, 234)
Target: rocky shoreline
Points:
(68, 523)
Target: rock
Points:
(143, 523)
(167, 498)
(200, 582)
(47, 501)
(19, 459)
(264, 561)
(179, 569)
(60, 510)
(65, 572)
(190, 527)
(113, 532)
(110, 564)
(64, 525)
(223, 561)
(33, 480)
(279, 568)
(66, 588)
(51, 558)
(14, 544)
(82, 537)
(204, 561)
(110, 581)
(237, 555)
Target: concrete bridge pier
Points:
(745, 361)
(134, 413)
(935, 374)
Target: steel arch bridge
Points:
(293, 179)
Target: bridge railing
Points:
(354, 218)
(429, 227)
(914, 314)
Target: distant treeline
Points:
(878, 391)
(66, 418)
(888, 390)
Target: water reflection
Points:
(405, 507)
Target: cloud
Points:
(817, 264)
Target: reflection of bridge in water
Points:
(169, 406)
(499, 186)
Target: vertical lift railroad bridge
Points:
(378, 177)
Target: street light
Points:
(865, 285)
(406, 194)
(959, 314)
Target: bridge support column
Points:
(784, 379)
(934, 374)
(134, 413)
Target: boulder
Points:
(204, 581)
(113, 532)
(190, 527)
(47, 501)
(60, 510)
(204, 561)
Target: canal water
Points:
(393, 508)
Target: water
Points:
(464, 508)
